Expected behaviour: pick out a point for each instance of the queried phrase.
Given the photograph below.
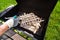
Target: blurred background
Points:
(53, 29)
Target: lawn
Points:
(5, 3)
(53, 29)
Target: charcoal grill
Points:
(41, 8)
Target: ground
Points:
(53, 29)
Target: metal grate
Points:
(11, 35)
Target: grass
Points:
(53, 29)
(5, 3)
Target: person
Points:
(8, 24)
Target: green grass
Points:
(53, 29)
(5, 3)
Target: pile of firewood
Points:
(30, 21)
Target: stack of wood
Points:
(30, 21)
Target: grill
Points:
(41, 8)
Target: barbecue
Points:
(33, 14)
